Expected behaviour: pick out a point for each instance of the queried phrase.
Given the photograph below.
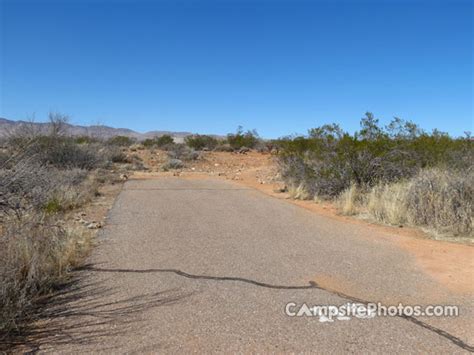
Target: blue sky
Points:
(280, 67)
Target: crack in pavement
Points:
(312, 285)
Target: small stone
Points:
(94, 225)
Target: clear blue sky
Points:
(208, 66)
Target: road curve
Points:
(208, 266)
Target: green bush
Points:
(121, 141)
(329, 160)
(161, 141)
(149, 143)
(200, 142)
(65, 153)
(223, 148)
(53, 206)
(241, 139)
(85, 140)
(116, 155)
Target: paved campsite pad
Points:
(208, 266)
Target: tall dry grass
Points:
(42, 177)
(439, 200)
(348, 200)
(387, 203)
(299, 192)
(36, 256)
(37, 248)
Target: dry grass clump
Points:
(36, 247)
(36, 255)
(348, 200)
(387, 203)
(440, 200)
(43, 175)
(299, 192)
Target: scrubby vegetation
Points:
(160, 142)
(200, 142)
(121, 141)
(44, 176)
(241, 139)
(177, 155)
(398, 174)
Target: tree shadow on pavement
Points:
(82, 313)
(311, 285)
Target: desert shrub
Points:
(223, 148)
(85, 140)
(52, 206)
(442, 199)
(64, 153)
(121, 141)
(114, 154)
(241, 139)
(173, 164)
(4, 157)
(263, 146)
(148, 143)
(29, 187)
(182, 152)
(24, 187)
(329, 160)
(200, 142)
(136, 163)
(35, 250)
(44, 174)
(164, 141)
(58, 151)
(136, 146)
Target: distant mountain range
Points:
(102, 132)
